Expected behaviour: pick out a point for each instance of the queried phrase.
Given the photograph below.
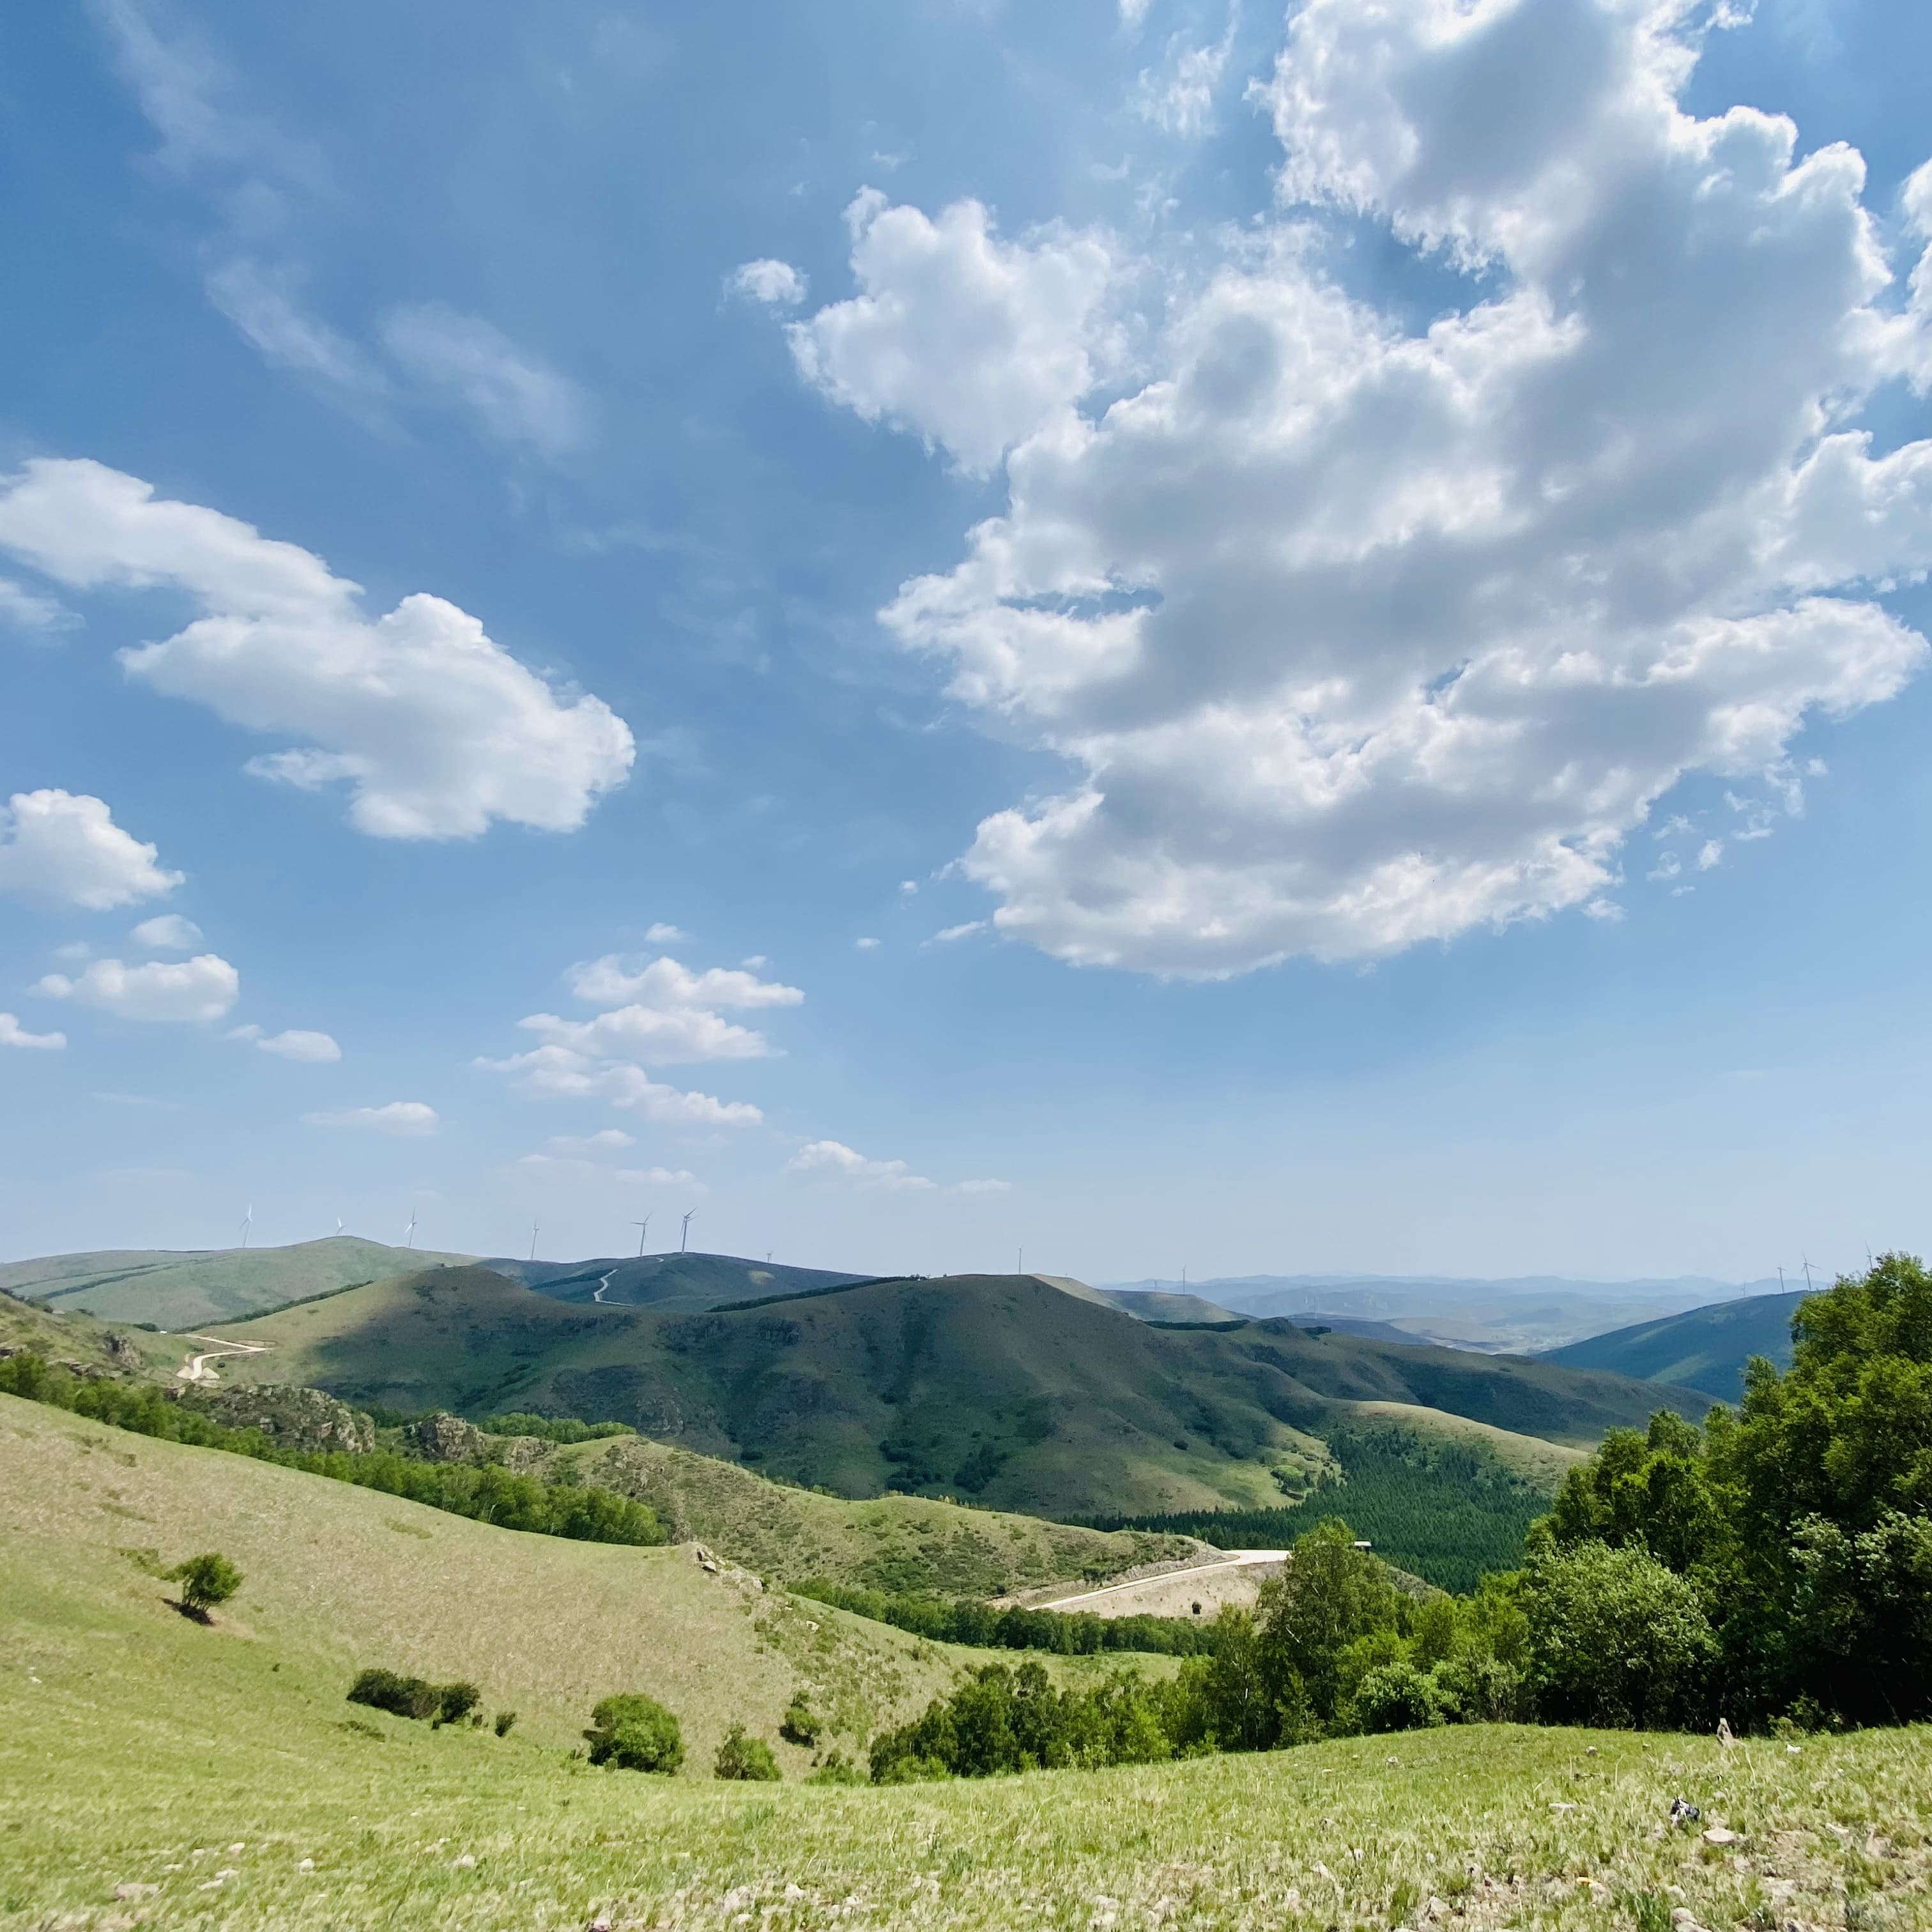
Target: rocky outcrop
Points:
(443, 1438)
(293, 1418)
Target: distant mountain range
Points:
(1525, 1315)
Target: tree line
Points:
(485, 1492)
(981, 1626)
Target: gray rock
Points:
(443, 1438)
(294, 1418)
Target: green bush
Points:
(1397, 1696)
(799, 1726)
(416, 1697)
(749, 1760)
(505, 1719)
(1615, 1638)
(836, 1769)
(206, 1581)
(632, 1732)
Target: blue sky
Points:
(1365, 565)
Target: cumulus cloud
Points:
(12, 1034)
(1356, 634)
(408, 1120)
(562, 1073)
(514, 394)
(436, 730)
(167, 932)
(664, 934)
(605, 1138)
(966, 340)
(60, 846)
(201, 989)
(662, 1013)
(834, 1157)
(316, 1048)
(776, 284)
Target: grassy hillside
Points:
(337, 1578)
(687, 1281)
(1705, 1349)
(1148, 1305)
(183, 1290)
(138, 1749)
(999, 1387)
(889, 1543)
(83, 1343)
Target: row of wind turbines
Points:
(409, 1233)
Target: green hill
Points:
(154, 1771)
(180, 1291)
(684, 1281)
(1705, 1349)
(1149, 1305)
(998, 1388)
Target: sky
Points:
(1143, 634)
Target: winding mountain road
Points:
(197, 1369)
(1194, 1573)
(603, 1286)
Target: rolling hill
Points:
(1705, 1349)
(1000, 1388)
(681, 1281)
(179, 1290)
(154, 1770)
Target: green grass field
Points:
(213, 1776)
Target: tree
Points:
(1615, 1638)
(632, 1732)
(749, 1759)
(1329, 1597)
(205, 1580)
(800, 1725)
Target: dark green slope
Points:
(1000, 1388)
(681, 1281)
(1705, 1349)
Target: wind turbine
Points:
(247, 1223)
(338, 1224)
(684, 1240)
(409, 1232)
(533, 1240)
(643, 1227)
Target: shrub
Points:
(505, 1719)
(747, 1759)
(1399, 1697)
(836, 1770)
(454, 1701)
(631, 1732)
(404, 1696)
(800, 1725)
(206, 1581)
(1615, 1638)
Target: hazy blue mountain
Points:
(1705, 1349)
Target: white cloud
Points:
(167, 932)
(968, 341)
(984, 1187)
(1180, 100)
(611, 1138)
(664, 983)
(561, 1073)
(262, 302)
(757, 963)
(834, 1157)
(410, 1120)
(868, 944)
(316, 1048)
(24, 609)
(662, 934)
(12, 1034)
(625, 1177)
(1711, 853)
(1133, 12)
(662, 1013)
(515, 395)
(776, 284)
(62, 846)
(201, 989)
(437, 729)
(1355, 635)
(947, 934)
